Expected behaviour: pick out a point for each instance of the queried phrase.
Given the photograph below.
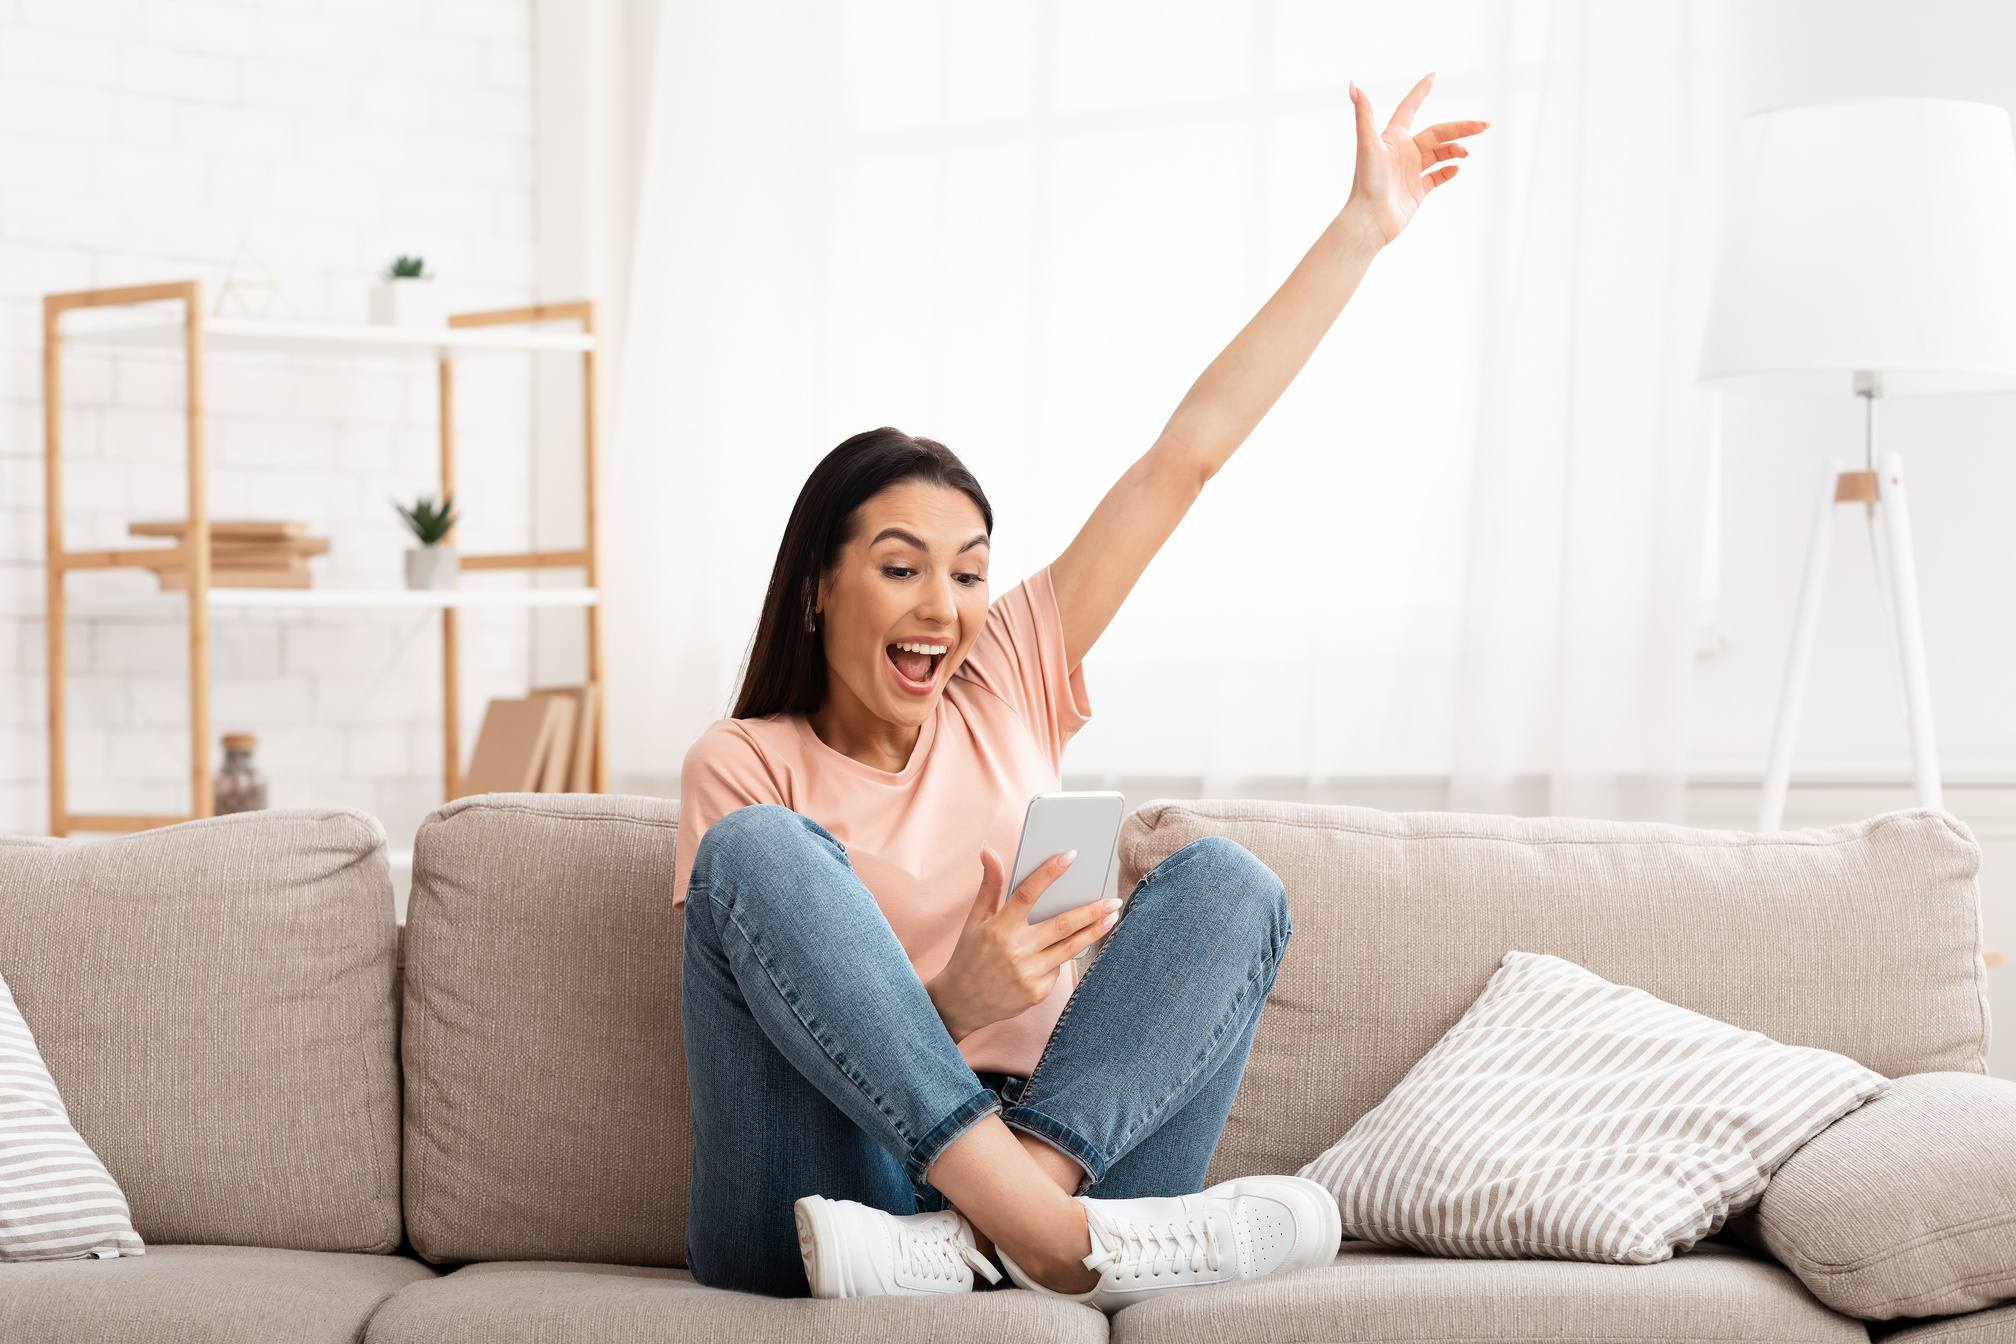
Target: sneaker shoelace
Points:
(1134, 1248)
(938, 1254)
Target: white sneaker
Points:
(852, 1250)
(1234, 1231)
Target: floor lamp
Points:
(1871, 251)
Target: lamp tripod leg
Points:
(1910, 631)
(1799, 663)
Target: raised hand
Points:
(1396, 168)
(1107, 557)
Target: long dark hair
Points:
(786, 670)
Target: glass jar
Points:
(239, 786)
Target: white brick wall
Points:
(143, 140)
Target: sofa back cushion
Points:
(1863, 939)
(214, 1001)
(546, 1105)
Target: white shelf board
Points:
(162, 327)
(407, 598)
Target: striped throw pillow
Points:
(57, 1201)
(1568, 1118)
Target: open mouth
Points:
(916, 663)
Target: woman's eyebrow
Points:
(898, 534)
(912, 539)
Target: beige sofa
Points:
(220, 1004)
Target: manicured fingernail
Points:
(1065, 859)
(1109, 921)
(1110, 903)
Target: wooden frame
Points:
(582, 311)
(193, 551)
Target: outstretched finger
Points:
(1442, 153)
(1440, 175)
(1403, 115)
(1068, 949)
(1368, 134)
(1024, 898)
(1058, 929)
(1449, 130)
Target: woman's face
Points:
(905, 601)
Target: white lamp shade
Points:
(1878, 235)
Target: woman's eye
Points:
(897, 571)
(970, 579)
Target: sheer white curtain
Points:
(1583, 580)
(1023, 229)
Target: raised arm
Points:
(1395, 170)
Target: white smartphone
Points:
(1056, 822)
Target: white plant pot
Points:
(432, 567)
(407, 302)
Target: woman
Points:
(892, 1075)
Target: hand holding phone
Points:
(1014, 944)
(1058, 823)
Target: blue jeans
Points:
(818, 1064)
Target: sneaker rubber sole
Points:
(825, 1274)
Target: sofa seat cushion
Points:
(1372, 1293)
(613, 1304)
(1997, 1325)
(201, 1295)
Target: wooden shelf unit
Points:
(465, 332)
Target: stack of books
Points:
(544, 743)
(243, 554)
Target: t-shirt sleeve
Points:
(1020, 658)
(723, 772)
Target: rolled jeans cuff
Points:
(926, 1150)
(1060, 1136)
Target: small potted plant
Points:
(405, 298)
(433, 563)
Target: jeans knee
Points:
(760, 824)
(758, 839)
(1237, 886)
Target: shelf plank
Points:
(120, 823)
(577, 559)
(163, 328)
(405, 598)
(152, 557)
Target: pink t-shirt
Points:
(914, 837)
